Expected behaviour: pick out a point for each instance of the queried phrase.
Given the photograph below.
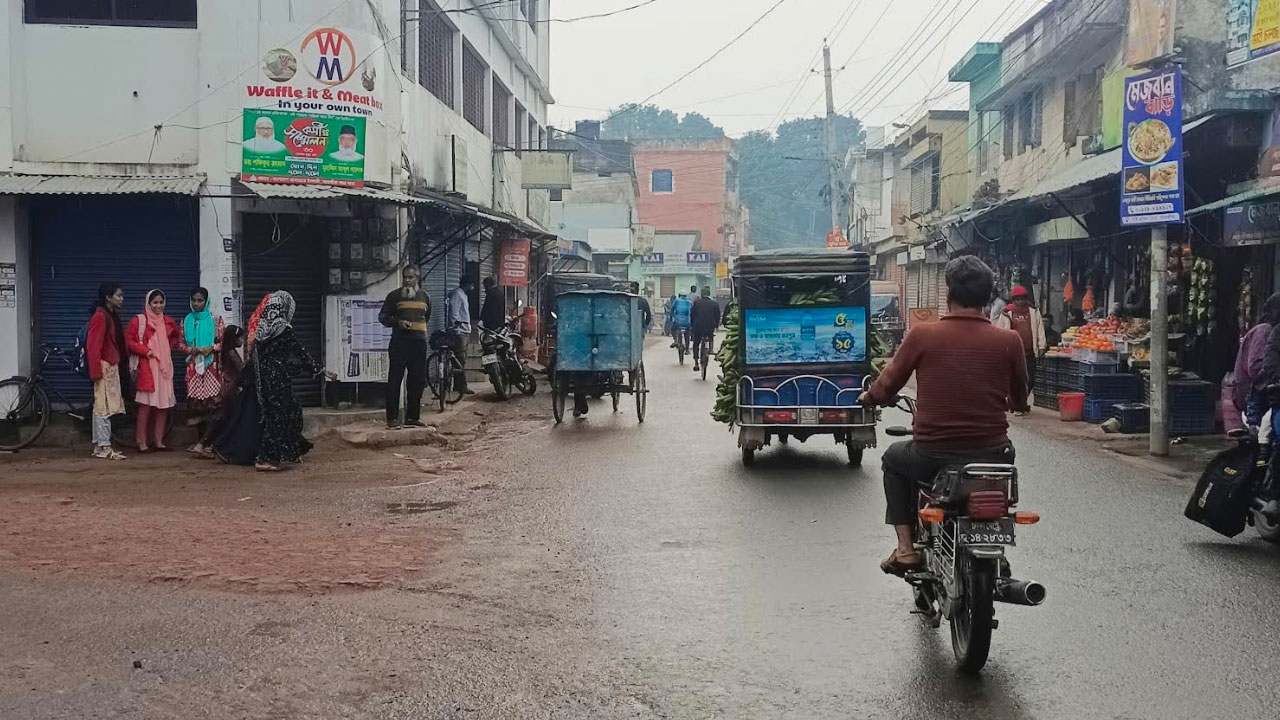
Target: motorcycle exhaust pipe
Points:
(1020, 592)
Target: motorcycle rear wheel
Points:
(527, 384)
(499, 381)
(972, 615)
(1266, 529)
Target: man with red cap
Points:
(1022, 317)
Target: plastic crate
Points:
(1094, 357)
(1191, 424)
(1116, 385)
(1046, 401)
(1133, 417)
(1095, 411)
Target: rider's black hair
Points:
(969, 282)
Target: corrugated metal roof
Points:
(320, 192)
(1247, 195)
(99, 184)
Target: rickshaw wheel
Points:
(855, 452)
(616, 397)
(642, 396)
(748, 456)
(558, 396)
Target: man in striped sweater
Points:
(969, 374)
(406, 311)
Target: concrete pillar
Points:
(220, 257)
(16, 329)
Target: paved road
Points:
(721, 591)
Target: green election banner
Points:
(302, 149)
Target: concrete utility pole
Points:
(833, 166)
(1159, 341)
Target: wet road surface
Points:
(726, 591)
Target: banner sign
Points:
(698, 258)
(292, 148)
(651, 260)
(779, 336)
(546, 170)
(1253, 30)
(308, 110)
(1151, 176)
(513, 263)
(1255, 223)
(1151, 25)
(1269, 164)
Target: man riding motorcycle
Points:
(969, 374)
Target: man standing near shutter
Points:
(406, 311)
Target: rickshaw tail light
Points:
(932, 515)
(833, 416)
(779, 416)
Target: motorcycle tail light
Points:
(932, 515)
(987, 505)
(779, 416)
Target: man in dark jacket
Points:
(493, 313)
(406, 311)
(704, 318)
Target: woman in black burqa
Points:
(264, 428)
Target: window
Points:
(980, 149)
(925, 184)
(662, 181)
(530, 10)
(473, 73)
(557, 195)
(1030, 119)
(533, 133)
(137, 13)
(521, 127)
(1008, 122)
(1037, 117)
(1070, 124)
(667, 286)
(435, 52)
(501, 114)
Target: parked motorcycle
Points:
(966, 520)
(501, 360)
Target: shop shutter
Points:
(143, 243)
(290, 252)
(441, 275)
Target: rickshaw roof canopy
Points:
(804, 261)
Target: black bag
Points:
(1222, 498)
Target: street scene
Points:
(639, 359)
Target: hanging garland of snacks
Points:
(1201, 297)
(1244, 307)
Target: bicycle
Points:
(25, 408)
(443, 368)
(681, 337)
(702, 354)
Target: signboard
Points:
(309, 111)
(1151, 175)
(513, 263)
(294, 148)
(722, 270)
(793, 335)
(546, 170)
(8, 285)
(1255, 223)
(698, 258)
(652, 260)
(916, 252)
(1151, 25)
(1269, 164)
(902, 258)
(689, 263)
(1253, 30)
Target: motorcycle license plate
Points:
(995, 532)
(488, 359)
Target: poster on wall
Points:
(792, 335)
(309, 111)
(1253, 30)
(1151, 176)
(1151, 25)
(293, 148)
(361, 349)
(8, 285)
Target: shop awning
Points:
(270, 191)
(1247, 195)
(100, 184)
(495, 218)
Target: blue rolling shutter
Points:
(79, 242)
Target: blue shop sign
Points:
(1151, 175)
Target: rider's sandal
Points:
(902, 563)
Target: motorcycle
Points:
(501, 360)
(966, 521)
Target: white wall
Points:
(15, 323)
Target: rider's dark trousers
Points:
(909, 467)
(408, 355)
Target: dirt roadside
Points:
(363, 583)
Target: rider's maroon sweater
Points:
(969, 373)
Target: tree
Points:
(784, 181)
(650, 122)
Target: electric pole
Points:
(833, 166)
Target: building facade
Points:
(600, 211)
(312, 146)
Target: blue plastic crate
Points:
(1095, 411)
(1133, 417)
(1117, 385)
(1191, 424)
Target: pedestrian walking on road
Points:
(230, 367)
(459, 320)
(1021, 317)
(151, 338)
(104, 351)
(406, 311)
(202, 333)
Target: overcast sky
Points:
(601, 63)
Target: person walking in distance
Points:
(459, 328)
(406, 311)
(151, 338)
(104, 350)
(1027, 321)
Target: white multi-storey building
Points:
(249, 146)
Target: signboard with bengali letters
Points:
(1151, 165)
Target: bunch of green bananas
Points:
(879, 352)
(824, 296)
(729, 356)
